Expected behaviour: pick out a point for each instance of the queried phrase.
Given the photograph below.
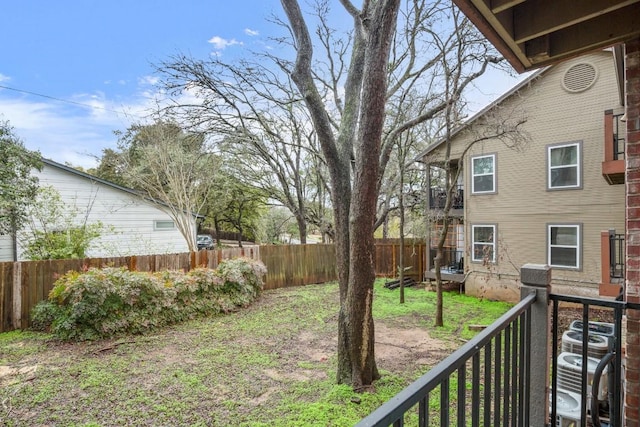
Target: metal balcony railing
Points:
(484, 381)
(616, 255)
(438, 197)
(618, 138)
(501, 377)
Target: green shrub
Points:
(100, 303)
(43, 315)
(242, 279)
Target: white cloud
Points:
(148, 80)
(120, 82)
(62, 133)
(78, 131)
(221, 44)
(4, 78)
(69, 132)
(250, 32)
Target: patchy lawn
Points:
(272, 364)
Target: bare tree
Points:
(506, 129)
(345, 86)
(255, 113)
(170, 167)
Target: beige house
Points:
(556, 199)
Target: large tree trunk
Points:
(360, 133)
(302, 228)
(380, 26)
(341, 202)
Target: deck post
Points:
(537, 278)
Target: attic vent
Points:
(579, 77)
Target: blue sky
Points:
(74, 71)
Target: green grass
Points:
(422, 304)
(273, 363)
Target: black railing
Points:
(495, 391)
(618, 138)
(452, 260)
(438, 197)
(616, 255)
(600, 400)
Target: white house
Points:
(133, 224)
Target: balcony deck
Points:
(613, 166)
(446, 275)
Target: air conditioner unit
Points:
(595, 328)
(567, 408)
(570, 374)
(572, 342)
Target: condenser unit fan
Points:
(595, 328)
(597, 347)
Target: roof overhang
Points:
(535, 33)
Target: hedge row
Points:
(100, 303)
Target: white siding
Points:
(128, 219)
(6, 248)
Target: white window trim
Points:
(473, 242)
(493, 175)
(577, 165)
(577, 246)
(156, 228)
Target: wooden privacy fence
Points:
(387, 258)
(297, 265)
(24, 284)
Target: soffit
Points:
(535, 33)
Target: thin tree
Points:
(18, 187)
(171, 167)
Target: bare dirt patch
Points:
(398, 348)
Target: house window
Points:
(564, 166)
(564, 245)
(483, 176)
(161, 225)
(483, 245)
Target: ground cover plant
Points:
(270, 364)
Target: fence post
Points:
(537, 278)
(17, 295)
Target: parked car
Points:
(204, 241)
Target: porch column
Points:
(632, 241)
(537, 278)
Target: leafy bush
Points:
(58, 229)
(242, 279)
(104, 302)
